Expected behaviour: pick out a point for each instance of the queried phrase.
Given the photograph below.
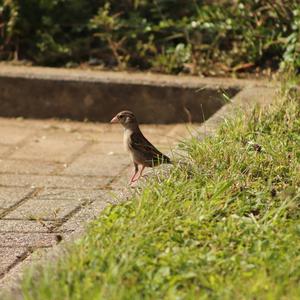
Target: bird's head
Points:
(126, 118)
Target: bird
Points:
(142, 152)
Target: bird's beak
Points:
(114, 120)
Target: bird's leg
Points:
(136, 169)
(141, 172)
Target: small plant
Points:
(291, 56)
(107, 27)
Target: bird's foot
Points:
(132, 181)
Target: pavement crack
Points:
(31, 194)
(19, 259)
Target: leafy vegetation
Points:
(223, 225)
(206, 37)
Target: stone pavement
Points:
(57, 175)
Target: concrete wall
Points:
(99, 96)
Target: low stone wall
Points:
(33, 92)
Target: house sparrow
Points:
(141, 150)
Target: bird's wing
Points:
(139, 143)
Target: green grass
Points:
(224, 225)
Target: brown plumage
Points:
(142, 151)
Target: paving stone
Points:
(108, 148)
(25, 226)
(122, 180)
(72, 182)
(77, 182)
(31, 239)
(101, 132)
(106, 136)
(71, 126)
(95, 164)
(43, 209)
(12, 135)
(95, 127)
(10, 196)
(57, 147)
(8, 256)
(66, 195)
(4, 149)
(58, 126)
(21, 122)
(86, 214)
(27, 167)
